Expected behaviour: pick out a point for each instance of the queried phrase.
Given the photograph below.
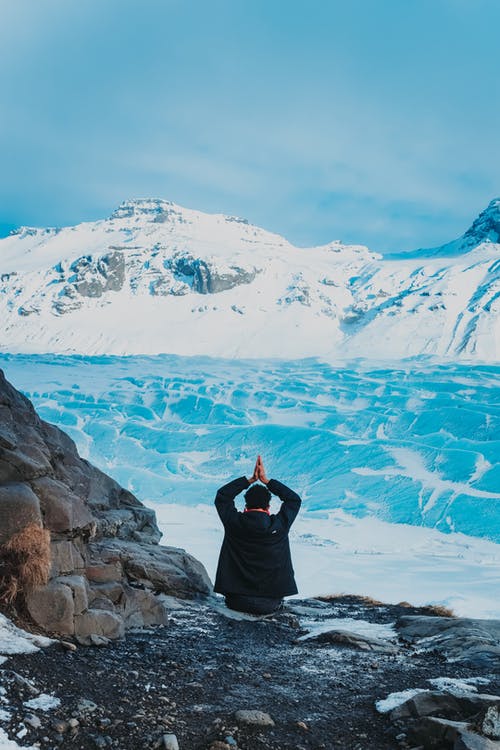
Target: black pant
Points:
(254, 605)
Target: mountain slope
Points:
(156, 277)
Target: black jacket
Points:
(255, 555)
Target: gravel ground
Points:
(190, 677)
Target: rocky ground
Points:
(191, 677)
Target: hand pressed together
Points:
(259, 473)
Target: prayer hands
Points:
(259, 473)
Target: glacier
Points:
(413, 442)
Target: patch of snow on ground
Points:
(44, 702)
(349, 625)
(396, 699)
(13, 640)
(457, 686)
(6, 744)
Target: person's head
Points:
(257, 496)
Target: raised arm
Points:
(291, 501)
(224, 499)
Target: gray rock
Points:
(444, 704)
(346, 638)
(52, 607)
(468, 740)
(206, 277)
(489, 723)
(19, 507)
(253, 717)
(86, 706)
(463, 640)
(100, 623)
(33, 721)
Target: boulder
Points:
(349, 639)
(52, 607)
(107, 569)
(467, 641)
(19, 507)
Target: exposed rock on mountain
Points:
(107, 570)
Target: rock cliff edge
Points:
(107, 571)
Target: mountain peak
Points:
(486, 228)
(151, 207)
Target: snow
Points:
(376, 630)
(6, 744)
(394, 700)
(334, 301)
(455, 686)
(43, 702)
(339, 553)
(13, 640)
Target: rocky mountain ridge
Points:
(200, 284)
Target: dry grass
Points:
(353, 597)
(24, 562)
(438, 611)
(431, 609)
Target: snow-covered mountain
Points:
(156, 277)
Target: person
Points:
(255, 570)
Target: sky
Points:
(368, 121)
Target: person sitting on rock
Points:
(255, 567)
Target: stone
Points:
(468, 740)
(171, 570)
(467, 641)
(86, 706)
(99, 623)
(68, 646)
(142, 608)
(104, 572)
(62, 509)
(433, 731)
(489, 722)
(112, 590)
(349, 639)
(33, 721)
(66, 558)
(80, 590)
(447, 705)
(170, 742)
(52, 607)
(19, 507)
(254, 718)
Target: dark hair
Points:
(257, 496)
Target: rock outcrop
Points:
(107, 570)
(466, 641)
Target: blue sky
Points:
(371, 121)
